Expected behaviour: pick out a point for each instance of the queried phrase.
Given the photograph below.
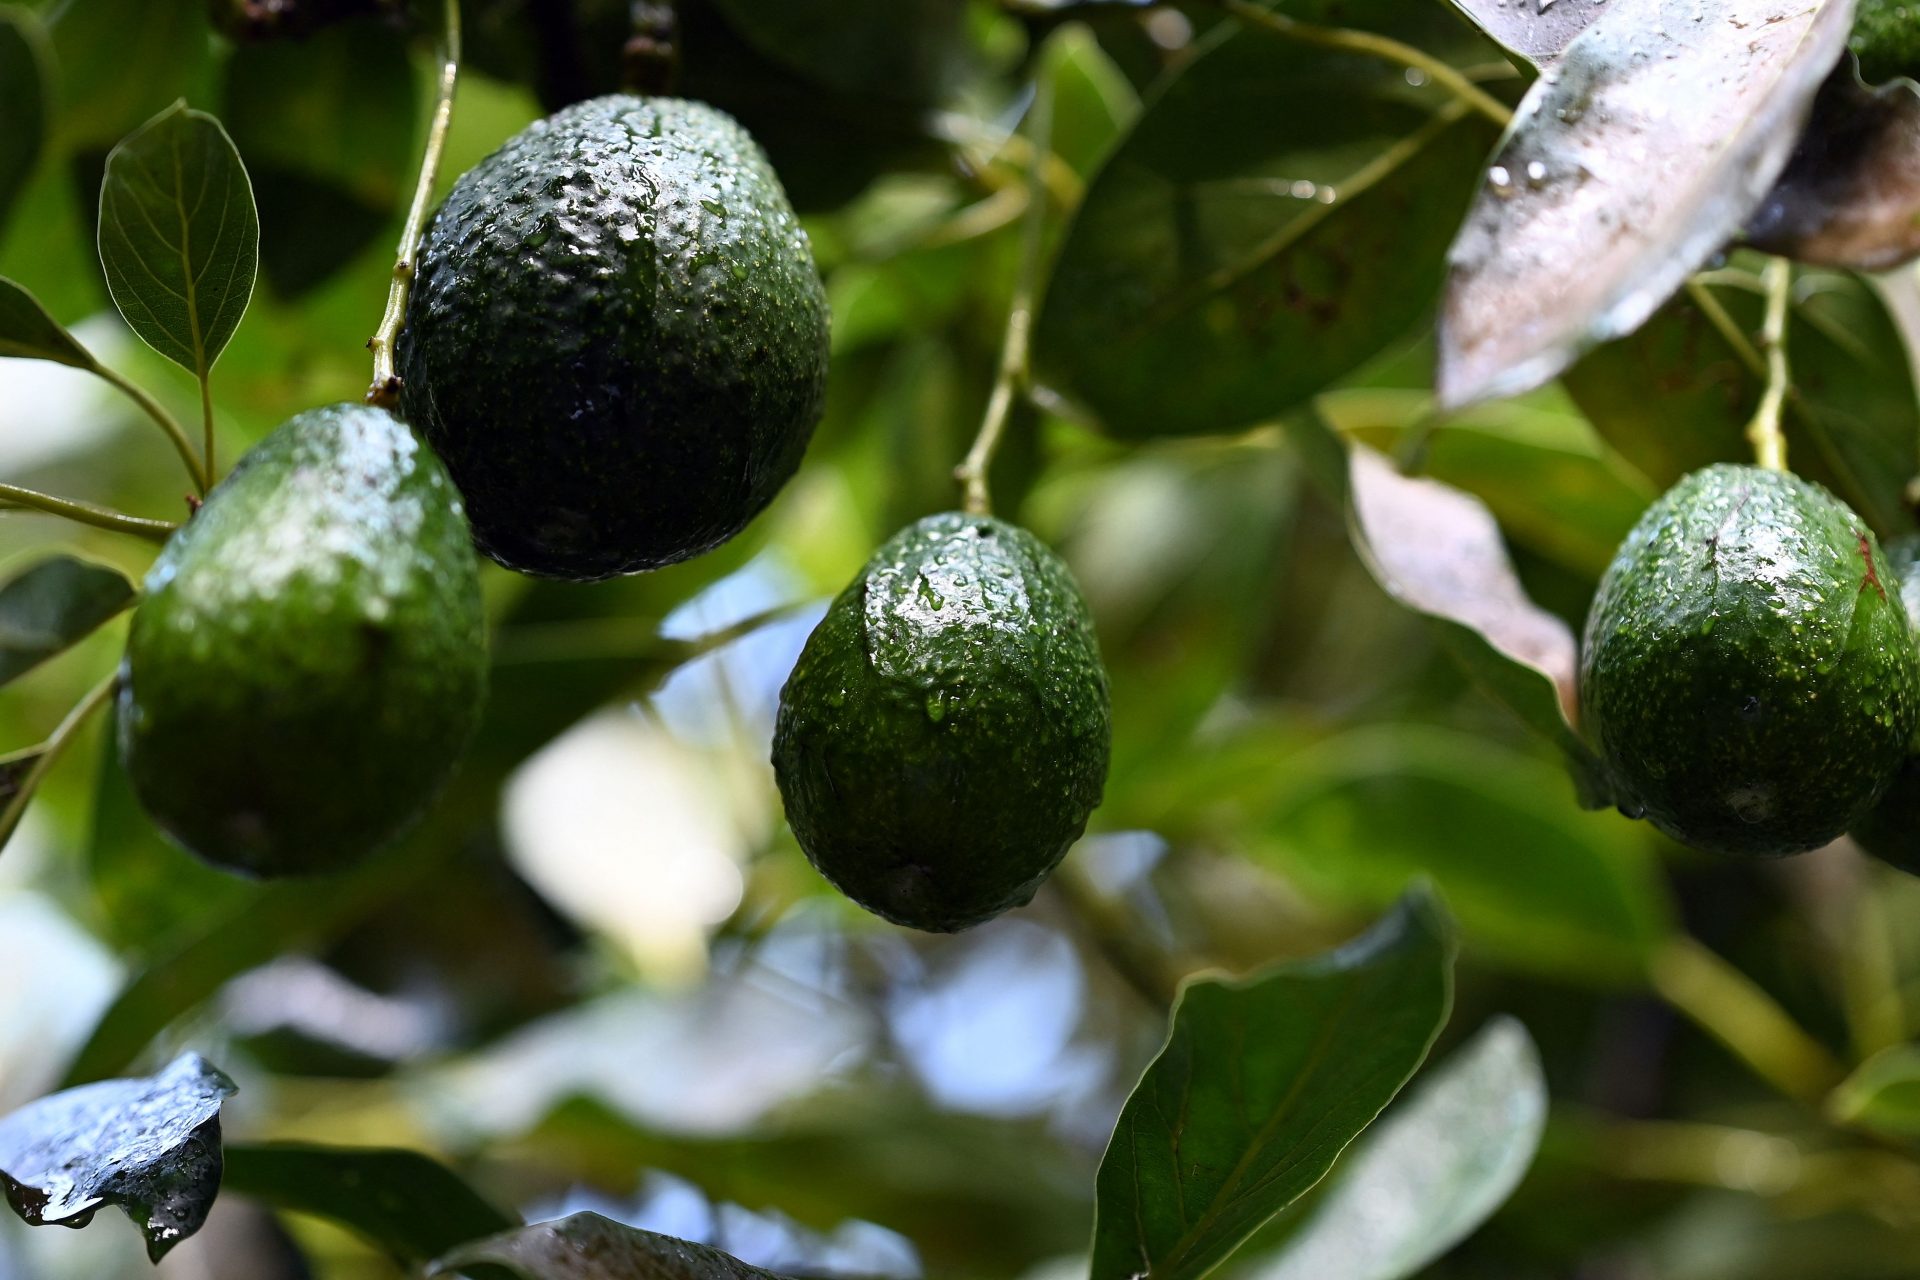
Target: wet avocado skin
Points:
(617, 339)
(309, 658)
(1890, 831)
(1748, 672)
(945, 734)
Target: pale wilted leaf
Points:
(590, 1247)
(1537, 31)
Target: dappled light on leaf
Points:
(1639, 154)
(149, 1145)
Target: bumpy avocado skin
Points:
(1890, 831)
(945, 733)
(1747, 671)
(1886, 37)
(617, 339)
(309, 658)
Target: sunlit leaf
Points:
(410, 1205)
(1222, 269)
(179, 236)
(27, 332)
(590, 1247)
(1660, 129)
(53, 605)
(23, 101)
(150, 1145)
(1850, 196)
(122, 60)
(1262, 1083)
(1851, 423)
(1882, 1094)
(1435, 1167)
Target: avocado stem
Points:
(1016, 349)
(197, 471)
(1731, 1008)
(1370, 45)
(50, 751)
(385, 388)
(1763, 432)
(86, 513)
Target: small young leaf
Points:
(1435, 1168)
(1262, 1083)
(1221, 270)
(179, 236)
(53, 605)
(590, 1247)
(1659, 131)
(1850, 196)
(407, 1203)
(23, 101)
(27, 332)
(1882, 1095)
(150, 1145)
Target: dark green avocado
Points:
(945, 733)
(1890, 831)
(617, 339)
(309, 657)
(1748, 672)
(1886, 39)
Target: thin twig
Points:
(385, 389)
(1016, 349)
(1763, 432)
(196, 470)
(50, 751)
(1368, 44)
(86, 513)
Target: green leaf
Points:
(1222, 269)
(1434, 1169)
(410, 1205)
(1882, 1094)
(179, 236)
(1622, 172)
(911, 50)
(27, 332)
(590, 1247)
(23, 101)
(1851, 424)
(104, 91)
(53, 605)
(150, 1145)
(326, 126)
(1263, 1081)
(15, 767)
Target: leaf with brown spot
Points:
(1632, 160)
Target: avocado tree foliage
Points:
(1212, 423)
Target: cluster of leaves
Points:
(1254, 209)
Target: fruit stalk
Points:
(385, 388)
(1016, 350)
(86, 513)
(197, 470)
(1763, 432)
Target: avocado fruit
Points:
(1890, 831)
(617, 339)
(945, 733)
(309, 658)
(1748, 673)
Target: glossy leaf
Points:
(1882, 1095)
(1220, 271)
(1439, 552)
(27, 332)
(179, 236)
(588, 1246)
(1534, 33)
(150, 1145)
(1850, 196)
(23, 101)
(1851, 424)
(104, 90)
(53, 605)
(1657, 134)
(410, 1205)
(1435, 1167)
(1262, 1083)
(326, 126)
(1536, 883)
